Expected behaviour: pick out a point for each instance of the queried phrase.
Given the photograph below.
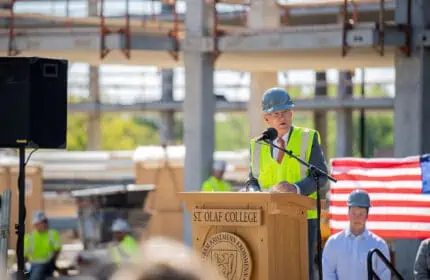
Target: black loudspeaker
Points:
(33, 102)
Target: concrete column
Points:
(259, 83)
(344, 117)
(167, 117)
(262, 14)
(94, 118)
(411, 127)
(320, 117)
(199, 104)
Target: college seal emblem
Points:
(229, 254)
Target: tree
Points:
(379, 131)
(119, 132)
(124, 133)
(231, 133)
(77, 132)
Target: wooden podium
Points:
(251, 236)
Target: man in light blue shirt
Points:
(345, 253)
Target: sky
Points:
(129, 84)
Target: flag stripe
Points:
(389, 203)
(344, 176)
(397, 197)
(335, 210)
(370, 190)
(384, 217)
(377, 171)
(386, 225)
(410, 163)
(413, 234)
(357, 184)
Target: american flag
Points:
(399, 190)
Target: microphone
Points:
(253, 186)
(269, 134)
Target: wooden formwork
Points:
(163, 203)
(33, 194)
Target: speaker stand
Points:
(20, 227)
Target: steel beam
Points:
(73, 39)
(151, 42)
(83, 38)
(301, 38)
(291, 38)
(318, 103)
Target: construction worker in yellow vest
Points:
(215, 182)
(275, 171)
(124, 246)
(41, 248)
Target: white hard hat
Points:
(219, 165)
(119, 225)
(38, 217)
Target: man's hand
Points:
(284, 186)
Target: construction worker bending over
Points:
(276, 172)
(345, 253)
(124, 246)
(215, 183)
(41, 248)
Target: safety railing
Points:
(371, 274)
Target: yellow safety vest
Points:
(39, 247)
(269, 172)
(214, 185)
(124, 250)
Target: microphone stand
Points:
(254, 184)
(316, 173)
(20, 227)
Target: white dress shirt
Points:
(345, 256)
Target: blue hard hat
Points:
(359, 198)
(38, 217)
(276, 99)
(120, 225)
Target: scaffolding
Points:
(173, 28)
(123, 31)
(348, 21)
(107, 26)
(380, 23)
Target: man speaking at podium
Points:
(274, 171)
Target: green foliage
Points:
(77, 132)
(119, 132)
(123, 132)
(379, 132)
(232, 132)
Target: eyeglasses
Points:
(278, 114)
